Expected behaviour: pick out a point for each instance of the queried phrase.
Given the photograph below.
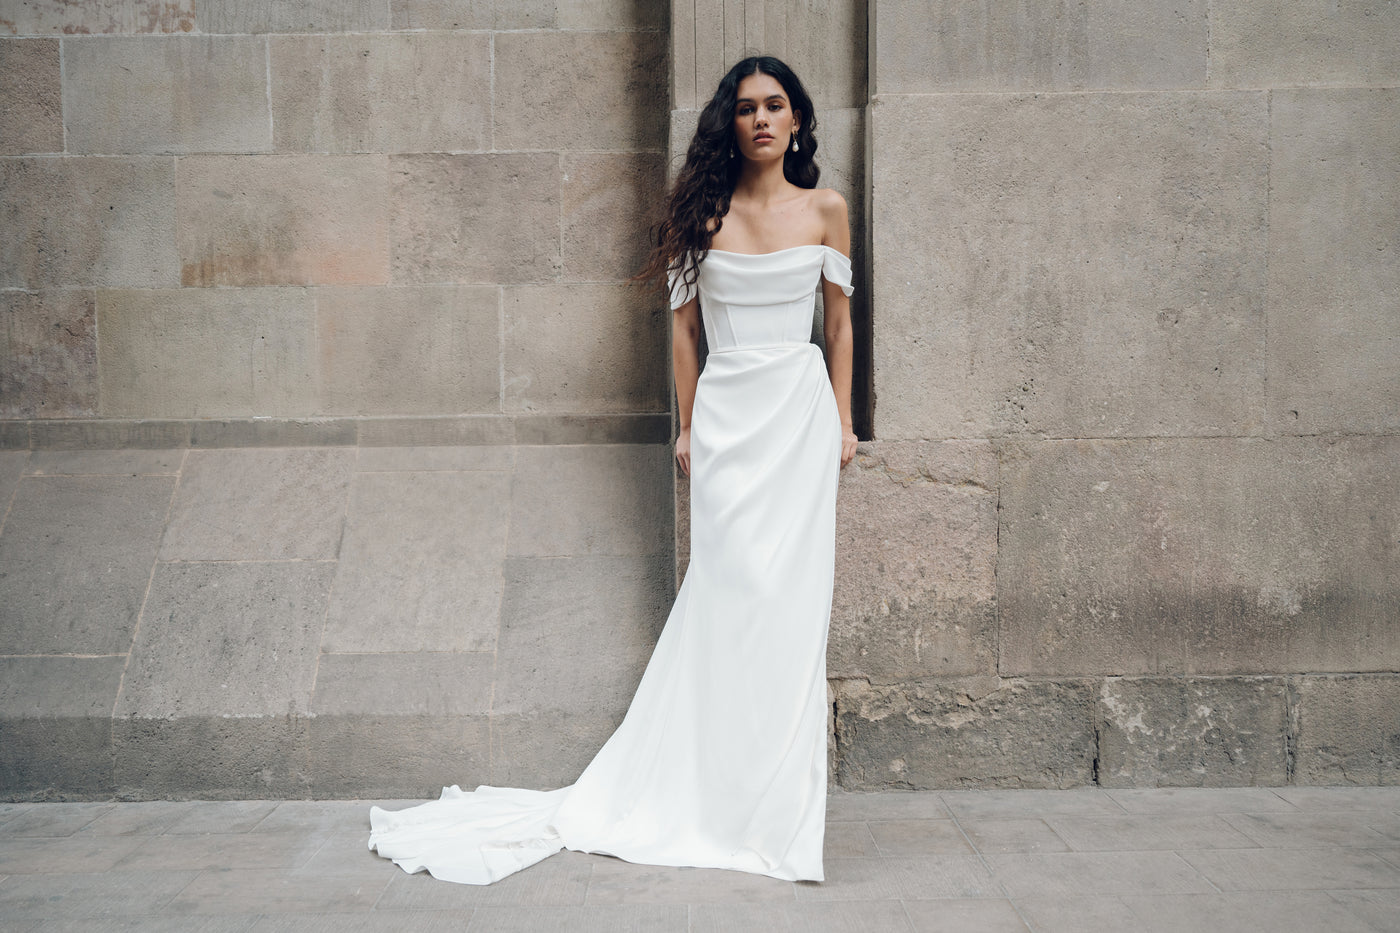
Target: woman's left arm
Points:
(836, 323)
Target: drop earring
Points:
(794, 142)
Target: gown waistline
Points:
(763, 346)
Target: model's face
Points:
(763, 118)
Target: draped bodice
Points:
(761, 299)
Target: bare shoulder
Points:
(829, 201)
(836, 224)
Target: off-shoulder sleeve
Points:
(836, 269)
(680, 292)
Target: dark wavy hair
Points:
(706, 181)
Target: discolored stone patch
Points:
(382, 93)
(489, 217)
(1210, 732)
(580, 90)
(48, 358)
(31, 97)
(283, 220)
(591, 348)
(915, 562)
(982, 732)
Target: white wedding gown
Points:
(720, 761)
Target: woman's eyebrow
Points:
(749, 100)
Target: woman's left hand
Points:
(848, 446)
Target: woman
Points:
(720, 761)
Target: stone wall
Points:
(346, 210)
(336, 446)
(1133, 514)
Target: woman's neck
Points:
(762, 182)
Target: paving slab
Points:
(223, 851)
(378, 921)
(274, 891)
(848, 840)
(1200, 800)
(1293, 869)
(1069, 873)
(1158, 831)
(1265, 912)
(919, 837)
(90, 894)
(1363, 829)
(837, 917)
(991, 837)
(964, 915)
(602, 918)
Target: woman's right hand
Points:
(683, 450)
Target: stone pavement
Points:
(1289, 859)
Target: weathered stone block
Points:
(492, 217)
(602, 499)
(202, 352)
(1199, 556)
(420, 564)
(75, 558)
(259, 505)
(384, 93)
(915, 562)
(1348, 729)
(592, 429)
(610, 198)
(48, 357)
(1334, 282)
(428, 350)
(619, 14)
(420, 683)
(211, 757)
(13, 465)
(983, 732)
(400, 725)
(109, 434)
(31, 97)
(261, 431)
(104, 462)
(91, 221)
(1195, 732)
(14, 435)
(55, 759)
(1022, 293)
(227, 639)
(283, 220)
(395, 757)
(591, 348)
(580, 90)
(166, 94)
(257, 16)
(1271, 43)
(67, 18)
(825, 43)
(576, 634)
(473, 14)
(449, 431)
(993, 45)
(435, 459)
(55, 724)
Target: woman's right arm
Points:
(685, 357)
